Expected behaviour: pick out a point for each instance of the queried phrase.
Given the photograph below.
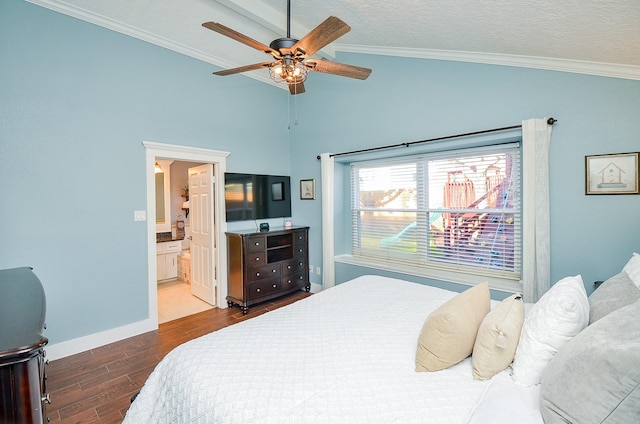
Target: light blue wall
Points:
(76, 101)
(412, 99)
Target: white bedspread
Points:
(345, 355)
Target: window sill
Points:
(460, 277)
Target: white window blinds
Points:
(456, 210)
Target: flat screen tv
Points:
(255, 196)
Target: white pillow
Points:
(632, 268)
(561, 313)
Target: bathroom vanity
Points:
(167, 259)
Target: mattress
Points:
(345, 355)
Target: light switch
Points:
(139, 215)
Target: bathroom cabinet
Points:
(167, 259)
(267, 264)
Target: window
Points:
(457, 211)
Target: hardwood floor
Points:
(96, 386)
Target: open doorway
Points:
(217, 256)
(177, 297)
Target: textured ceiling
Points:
(600, 37)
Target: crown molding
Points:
(562, 65)
(93, 18)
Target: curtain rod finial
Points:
(551, 121)
(318, 157)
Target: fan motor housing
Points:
(283, 43)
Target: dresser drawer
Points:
(300, 238)
(293, 266)
(300, 251)
(266, 271)
(263, 288)
(256, 243)
(256, 259)
(293, 280)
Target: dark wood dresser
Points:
(267, 264)
(22, 373)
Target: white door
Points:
(203, 243)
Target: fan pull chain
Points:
(288, 112)
(295, 111)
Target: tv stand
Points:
(267, 264)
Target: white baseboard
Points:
(316, 288)
(92, 341)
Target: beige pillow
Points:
(449, 332)
(498, 338)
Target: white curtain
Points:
(328, 196)
(536, 252)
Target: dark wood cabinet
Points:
(267, 264)
(22, 365)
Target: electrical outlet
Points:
(139, 215)
(311, 269)
(318, 270)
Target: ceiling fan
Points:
(292, 56)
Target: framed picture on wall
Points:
(308, 189)
(612, 173)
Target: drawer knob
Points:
(257, 259)
(273, 270)
(300, 264)
(46, 399)
(257, 243)
(288, 266)
(257, 290)
(257, 274)
(275, 285)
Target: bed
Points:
(344, 355)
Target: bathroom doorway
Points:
(177, 296)
(183, 154)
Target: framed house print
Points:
(612, 174)
(308, 189)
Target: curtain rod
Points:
(550, 121)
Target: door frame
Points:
(218, 158)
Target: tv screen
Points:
(255, 196)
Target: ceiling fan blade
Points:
(336, 68)
(296, 88)
(330, 30)
(243, 69)
(228, 32)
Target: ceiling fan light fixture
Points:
(290, 73)
(290, 54)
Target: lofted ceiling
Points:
(598, 37)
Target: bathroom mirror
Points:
(160, 216)
(163, 198)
